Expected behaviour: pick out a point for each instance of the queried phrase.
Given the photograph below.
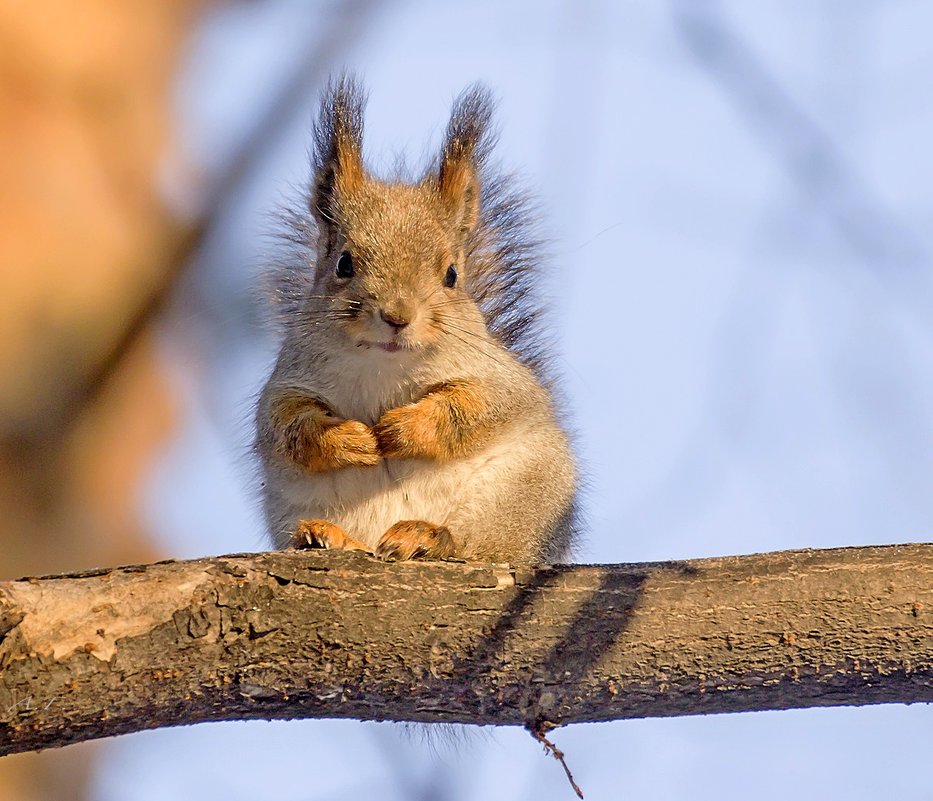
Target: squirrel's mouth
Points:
(390, 347)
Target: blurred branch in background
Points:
(811, 158)
(73, 394)
(220, 299)
(732, 412)
(895, 256)
(333, 35)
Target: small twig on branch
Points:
(538, 732)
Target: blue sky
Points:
(738, 200)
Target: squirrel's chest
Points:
(365, 392)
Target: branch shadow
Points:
(596, 626)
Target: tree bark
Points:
(329, 634)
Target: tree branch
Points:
(330, 634)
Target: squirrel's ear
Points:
(465, 146)
(338, 147)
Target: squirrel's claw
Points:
(324, 534)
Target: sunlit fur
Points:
(507, 491)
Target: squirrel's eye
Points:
(345, 265)
(451, 278)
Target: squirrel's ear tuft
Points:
(466, 144)
(338, 146)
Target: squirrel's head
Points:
(393, 258)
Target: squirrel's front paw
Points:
(350, 443)
(410, 539)
(409, 431)
(305, 431)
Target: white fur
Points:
(367, 501)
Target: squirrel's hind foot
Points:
(324, 534)
(412, 539)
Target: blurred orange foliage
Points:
(84, 247)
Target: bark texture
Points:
(330, 634)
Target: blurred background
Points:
(737, 197)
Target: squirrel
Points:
(411, 412)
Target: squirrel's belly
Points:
(366, 502)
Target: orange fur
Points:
(448, 422)
(308, 434)
(349, 166)
(459, 190)
(324, 534)
(410, 539)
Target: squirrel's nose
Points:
(397, 319)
